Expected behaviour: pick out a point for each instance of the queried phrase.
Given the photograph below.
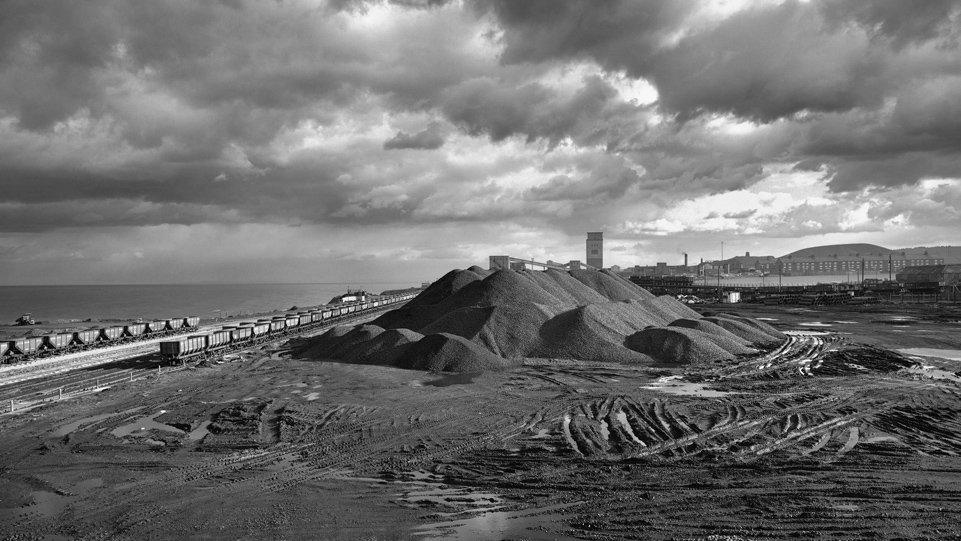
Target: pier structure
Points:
(497, 262)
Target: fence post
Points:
(60, 396)
(11, 405)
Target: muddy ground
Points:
(830, 435)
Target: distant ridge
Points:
(841, 251)
(950, 254)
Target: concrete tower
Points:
(595, 249)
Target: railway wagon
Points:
(26, 346)
(4, 348)
(316, 315)
(111, 333)
(156, 327)
(175, 323)
(239, 334)
(278, 325)
(87, 337)
(183, 347)
(191, 321)
(326, 314)
(292, 321)
(134, 330)
(218, 339)
(58, 341)
(260, 329)
(303, 319)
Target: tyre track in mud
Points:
(619, 427)
(341, 441)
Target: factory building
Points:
(595, 250)
(942, 279)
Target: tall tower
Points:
(595, 249)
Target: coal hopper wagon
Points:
(33, 347)
(246, 334)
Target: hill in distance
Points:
(950, 254)
(476, 319)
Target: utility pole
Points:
(780, 271)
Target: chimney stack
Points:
(685, 259)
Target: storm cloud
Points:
(525, 122)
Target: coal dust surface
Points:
(602, 412)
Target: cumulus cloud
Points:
(645, 118)
(428, 139)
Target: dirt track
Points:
(823, 437)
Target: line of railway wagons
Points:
(27, 348)
(250, 332)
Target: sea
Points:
(129, 302)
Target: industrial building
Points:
(595, 249)
(942, 279)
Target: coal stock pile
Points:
(520, 405)
(476, 319)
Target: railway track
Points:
(78, 374)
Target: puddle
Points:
(845, 322)
(462, 378)
(48, 504)
(766, 318)
(453, 497)
(807, 333)
(950, 354)
(536, 523)
(814, 324)
(143, 425)
(566, 426)
(312, 396)
(198, 433)
(87, 421)
(675, 385)
(605, 431)
(933, 372)
(622, 418)
(53, 504)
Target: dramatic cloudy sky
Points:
(156, 141)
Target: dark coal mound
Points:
(449, 353)
(336, 344)
(727, 340)
(757, 324)
(676, 346)
(487, 317)
(384, 348)
(747, 331)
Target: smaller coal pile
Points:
(476, 319)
